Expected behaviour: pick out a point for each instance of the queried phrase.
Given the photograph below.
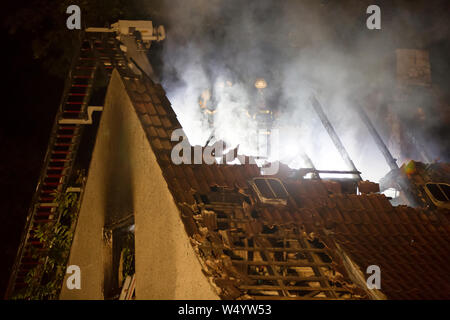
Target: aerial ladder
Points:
(101, 50)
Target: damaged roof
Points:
(316, 246)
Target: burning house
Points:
(139, 226)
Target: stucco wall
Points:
(124, 177)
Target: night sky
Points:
(30, 99)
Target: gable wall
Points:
(125, 178)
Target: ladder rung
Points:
(81, 85)
(48, 205)
(66, 136)
(74, 102)
(44, 220)
(48, 191)
(61, 152)
(85, 67)
(60, 157)
(56, 168)
(65, 132)
(83, 77)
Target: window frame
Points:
(116, 233)
(276, 200)
(438, 203)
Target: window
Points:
(270, 190)
(446, 189)
(121, 257)
(439, 194)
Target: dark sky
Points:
(30, 98)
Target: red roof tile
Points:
(411, 246)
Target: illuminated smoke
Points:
(299, 48)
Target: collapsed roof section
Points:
(315, 244)
(431, 182)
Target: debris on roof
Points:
(368, 187)
(315, 245)
(418, 175)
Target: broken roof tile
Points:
(367, 187)
(410, 245)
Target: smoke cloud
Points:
(300, 48)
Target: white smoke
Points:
(300, 48)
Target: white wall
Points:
(124, 176)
